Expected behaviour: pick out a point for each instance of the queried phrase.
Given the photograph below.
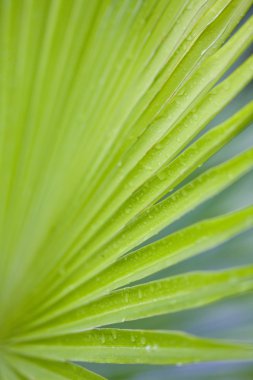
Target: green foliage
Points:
(102, 105)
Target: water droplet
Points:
(189, 7)
(158, 146)
(147, 167)
(143, 340)
(161, 175)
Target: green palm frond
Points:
(103, 110)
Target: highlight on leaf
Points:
(105, 111)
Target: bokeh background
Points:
(232, 318)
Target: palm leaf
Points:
(154, 298)
(40, 368)
(103, 110)
(135, 346)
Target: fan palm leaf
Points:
(103, 110)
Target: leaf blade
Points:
(39, 369)
(153, 219)
(136, 346)
(177, 293)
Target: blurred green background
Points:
(232, 318)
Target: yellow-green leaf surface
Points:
(135, 346)
(158, 297)
(168, 177)
(177, 138)
(34, 368)
(103, 111)
(166, 252)
(156, 217)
